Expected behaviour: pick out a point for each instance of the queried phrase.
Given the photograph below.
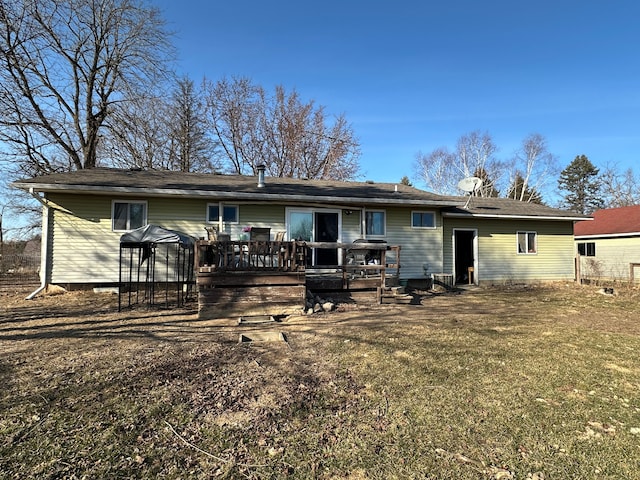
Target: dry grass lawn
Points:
(513, 383)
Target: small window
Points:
(587, 249)
(375, 223)
(127, 216)
(423, 220)
(229, 213)
(527, 242)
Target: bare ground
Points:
(75, 370)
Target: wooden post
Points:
(632, 267)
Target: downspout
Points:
(44, 247)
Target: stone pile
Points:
(317, 304)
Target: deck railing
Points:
(364, 259)
(247, 255)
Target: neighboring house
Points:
(86, 212)
(609, 246)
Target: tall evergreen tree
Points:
(519, 190)
(582, 183)
(487, 188)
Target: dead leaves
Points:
(597, 430)
(492, 472)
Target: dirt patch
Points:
(376, 391)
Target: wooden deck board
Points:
(229, 288)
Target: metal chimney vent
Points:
(261, 169)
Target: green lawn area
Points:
(511, 383)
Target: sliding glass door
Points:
(315, 225)
(326, 230)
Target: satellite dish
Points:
(469, 184)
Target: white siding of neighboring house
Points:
(498, 258)
(612, 260)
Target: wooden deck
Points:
(272, 278)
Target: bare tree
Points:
(437, 171)
(301, 144)
(190, 147)
(533, 169)
(619, 189)
(474, 156)
(233, 108)
(291, 138)
(20, 216)
(66, 65)
(138, 135)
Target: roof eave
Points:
(513, 217)
(237, 196)
(607, 235)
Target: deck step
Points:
(396, 299)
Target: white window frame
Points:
(128, 202)
(422, 212)
(312, 212)
(289, 211)
(221, 206)
(527, 233)
(384, 224)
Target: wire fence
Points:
(19, 272)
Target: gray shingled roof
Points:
(505, 207)
(238, 187)
(245, 188)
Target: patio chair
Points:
(278, 251)
(259, 251)
(212, 233)
(259, 234)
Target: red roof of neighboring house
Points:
(612, 221)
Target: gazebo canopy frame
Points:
(156, 268)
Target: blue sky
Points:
(413, 76)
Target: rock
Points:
(328, 306)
